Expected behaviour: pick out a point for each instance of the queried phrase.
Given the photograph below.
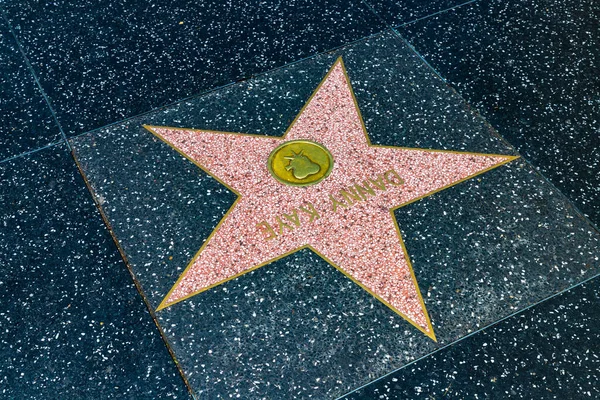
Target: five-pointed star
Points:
(355, 231)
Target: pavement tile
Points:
(72, 324)
(100, 62)
(396, 12)
(531, 68)
(547, 352)
(480, 250)
(27, 121)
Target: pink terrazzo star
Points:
(347, 218)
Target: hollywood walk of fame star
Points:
(332, 191)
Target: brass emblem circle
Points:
(300, 163)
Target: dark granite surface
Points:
(531, 68)
(26, 119)
(547, 352)
(495, 245)
(72, 324)
(100, 62)
(297, 328)
(397, 12)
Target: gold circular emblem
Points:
(300, 163)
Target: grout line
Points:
(223, 86)
(494, 132)
(102, 215)
(528, 163)
(436, 13)
(67, 139)
(136, 283)
(507, 143)
(406, 42)
(226, 85)
(175, 102)
(35, 77)
(26, 153)
(480, 330)
(410, 46)
(568, 200)
(251, 76)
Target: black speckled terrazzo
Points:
(72, 324)
(547, 352)
(397, 12)
(297, 328)
(531, 68)
(100, 62)
(507, 264)
(26, 119)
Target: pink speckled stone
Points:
(362, 240)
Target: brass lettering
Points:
(364, 190)
(397, 182)
(293, 218)
(283, 225)
(314, 215)
(350, 194)
(266, 228)
(379, 183)
(353, 194)
(336, 203)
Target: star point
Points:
(346, 217)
